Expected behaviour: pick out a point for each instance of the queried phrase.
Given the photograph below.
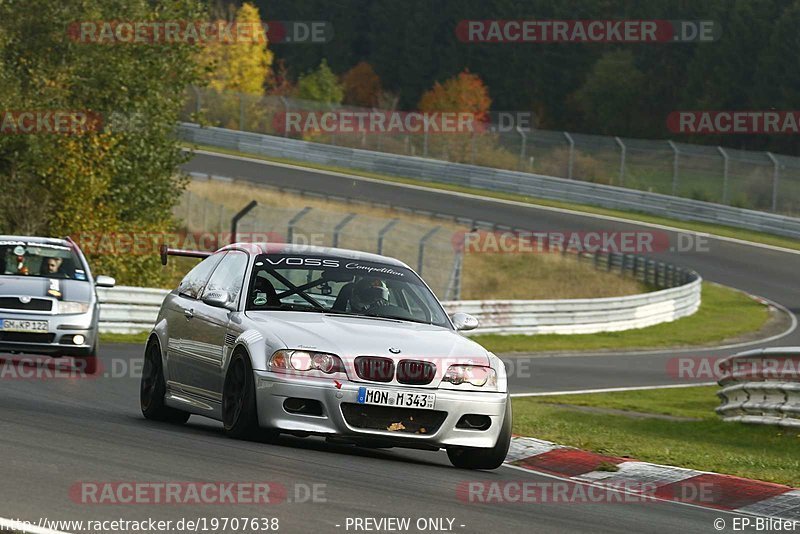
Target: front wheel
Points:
(153, 388)
(478, 458)
(88, 364)
(239, 411)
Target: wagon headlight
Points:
(477, 376)
(66, 306)
(301, 360)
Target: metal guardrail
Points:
(492, 179)
(761, 387)
(127, 310)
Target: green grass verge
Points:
(723, 314)
(764, 453)
(717, 229)
(124, 338)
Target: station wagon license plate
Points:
(18, 325)
(401, 399)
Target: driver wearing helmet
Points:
(369, 293)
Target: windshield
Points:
(341, 285)
(47, 260)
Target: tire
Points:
(153, 388)
(239, 411)
(479, 458)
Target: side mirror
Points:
(464, 321)
(104, 281)
(218, 299)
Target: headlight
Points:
(301, 360)
(66, 306)
(477, 376)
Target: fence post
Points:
(571, 163)
(674, 168)
(472, 148)
(421, 254)
(776, 174)
(622, 154)
(294, 221)
(522, 148)
(383, 231)
(198, 100)
(285, 116)
(724, 174)
(241, 112)
(236, 218)
(339, 227)
(425, 144)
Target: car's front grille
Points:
(27, 337)
(374, 368)
(415, 373)
(402, 420)
(14, 303)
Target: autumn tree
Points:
(118, 176)
(362, 86)
(320, 85)
(243, 66)
(464, 93)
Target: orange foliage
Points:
(465, 92)
(362, 86)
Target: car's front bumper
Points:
(57, 341)
(272, 389)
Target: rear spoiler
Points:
(165, 251)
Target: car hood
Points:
(349, 337)
(34, 286)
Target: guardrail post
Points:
(339, 227)
(236, 218)
(724, 174)
(675, 164)
(622, 154)
(776, 174)
(522, 148)
(421, 254)
(571, 162)
(383, 231)
(294, 221)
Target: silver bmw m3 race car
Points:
(303, 340)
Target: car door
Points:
(179, 309)
(211, 323)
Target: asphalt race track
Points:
(56, 433)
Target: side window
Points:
(193, 283)
(229, 275)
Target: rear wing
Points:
(165, 251)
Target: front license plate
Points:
(18, 325)
(401, 399)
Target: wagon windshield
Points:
(33, 258)
(344, 286)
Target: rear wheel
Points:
(478, 458)
(153, 388)
(239, 411)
